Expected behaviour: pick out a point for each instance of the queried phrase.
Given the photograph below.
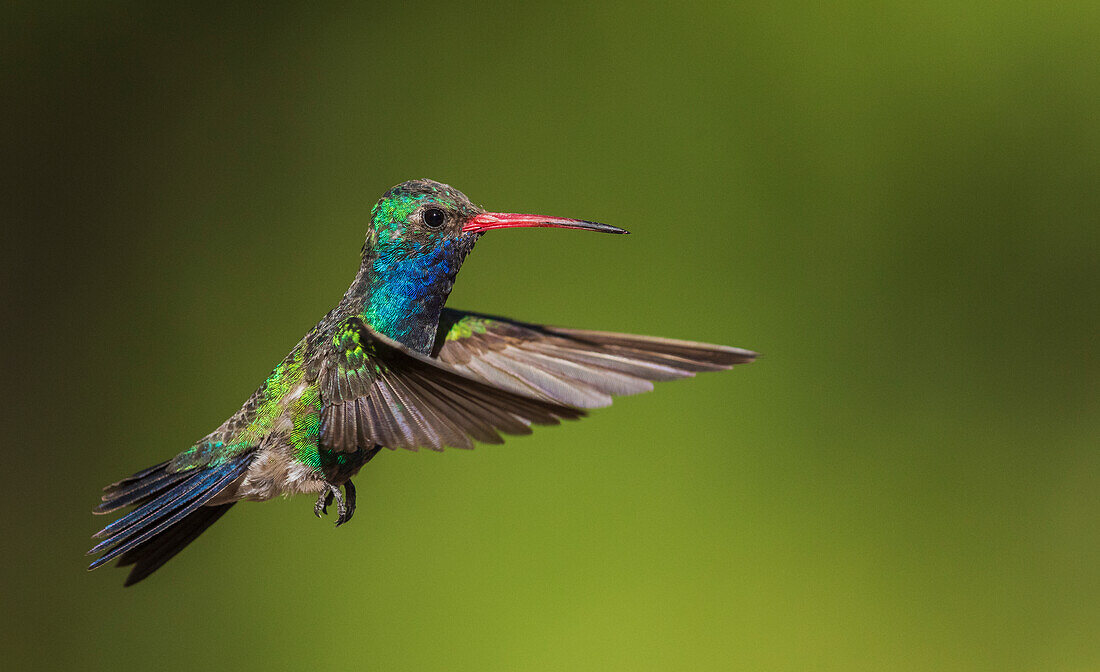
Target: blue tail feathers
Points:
(170, 514)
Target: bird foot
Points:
(345, 503)
(323, 501)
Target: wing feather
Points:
(377, 392)
(571, 366)
(488, 376)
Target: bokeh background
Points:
(896, 202)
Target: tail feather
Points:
(136, 477)
(171, 513)
(140, 491)
(160, 506)
(149, 556)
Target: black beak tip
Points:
(607, 228)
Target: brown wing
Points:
(570, 366)
(377, 392)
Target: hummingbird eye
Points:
(434, 218)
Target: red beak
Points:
(509, 220)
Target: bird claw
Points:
(323, 500)
(345, 503)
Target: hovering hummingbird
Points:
(390, 367)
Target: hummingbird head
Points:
(425, 216)
(419, 235)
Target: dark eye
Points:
(434, 218)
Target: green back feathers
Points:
(287, 394)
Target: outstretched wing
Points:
(570, 366)
(377, 392)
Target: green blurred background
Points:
(896, 202)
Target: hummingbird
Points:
(390, 367)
